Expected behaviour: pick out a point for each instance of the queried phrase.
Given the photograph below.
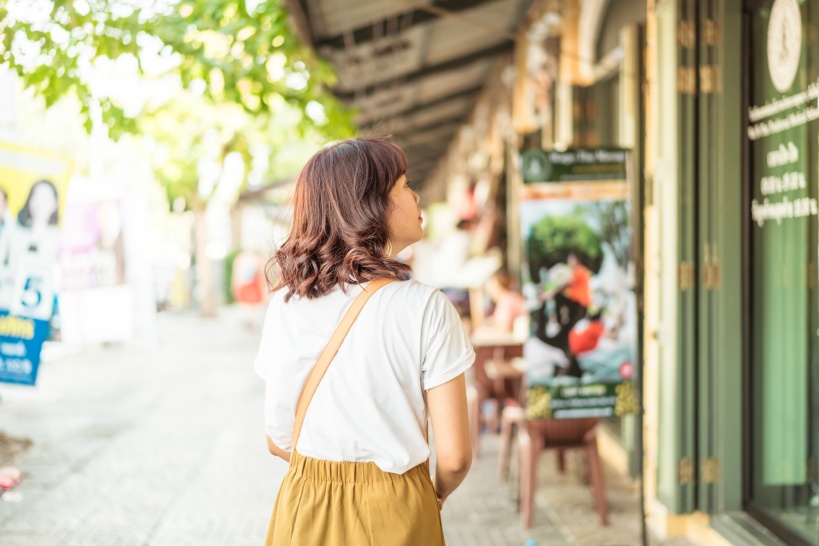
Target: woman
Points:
(28, 254)
(37, 234)
(509, 303)
(357, 460)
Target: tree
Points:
(236, 64)
(555, 237)
(193, 140)
(236, 51)
(614, 228)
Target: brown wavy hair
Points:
(340, 210)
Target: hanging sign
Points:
(32, 195)
(578, 280)
(573, 165)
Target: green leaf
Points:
(187, 30)
(251, 111)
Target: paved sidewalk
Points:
(159, 448)
(483, 511)
(165, 448)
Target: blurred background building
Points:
(714, 99)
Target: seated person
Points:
(509, 303)
(509, 306)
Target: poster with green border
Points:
(578, 281)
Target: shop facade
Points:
(731, 256)
(716, 100)
(726, 243)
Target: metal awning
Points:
(412, 68)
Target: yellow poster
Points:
(33, 185)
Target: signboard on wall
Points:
(782, 133)
(579, 164)
(32, 197)
(578, 280)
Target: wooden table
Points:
(497, 378)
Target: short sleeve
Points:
(265, 354)
(448, 352)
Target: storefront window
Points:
(783, 130)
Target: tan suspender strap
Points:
(330, 351)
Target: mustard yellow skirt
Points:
(326, 503)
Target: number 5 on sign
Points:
(33, 293)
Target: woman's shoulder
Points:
(277, 297)
(409, 293)
(426, 300)
(417, 291)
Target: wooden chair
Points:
(512, 417)
(537, 435)
(496, 378)
(474, 408)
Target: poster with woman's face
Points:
(32, 196)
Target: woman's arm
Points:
(276, 450)
(450, 428)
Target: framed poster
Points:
(32, 198)
(578, 280)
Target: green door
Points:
(718, 227)
(699, 197)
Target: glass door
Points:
(783, 134)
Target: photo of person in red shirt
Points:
(584, 339)
(572, 300)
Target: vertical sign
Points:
(783, 136)
(32, 194)
(578, 280)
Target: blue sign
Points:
(20, 342)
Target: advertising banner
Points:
(32, 197)
(91, 245)
(578, 280)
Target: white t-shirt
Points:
(371, 405)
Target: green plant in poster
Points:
(553, 238)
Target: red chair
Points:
(534, 436)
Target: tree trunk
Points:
(205, 281)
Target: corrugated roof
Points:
(412, 68)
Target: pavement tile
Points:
(137, 447)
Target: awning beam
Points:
(418, 16)
(425, 72)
